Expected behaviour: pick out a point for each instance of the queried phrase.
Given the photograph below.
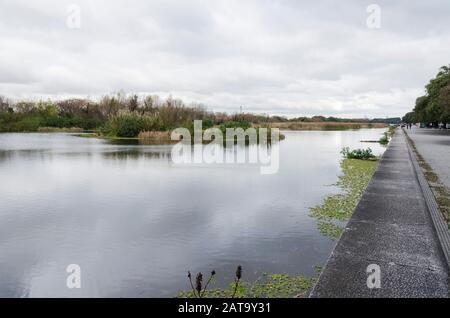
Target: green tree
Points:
(434, 106)
(434, 88)
(421, 108)
(410, 118)
(444, 104)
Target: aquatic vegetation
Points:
(267, 286)
(337, 209)
(362, 154)
(330, 229)
(391, 130)
(237, 280)
(198, 291)
(384, 140)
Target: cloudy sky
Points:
(286, 57)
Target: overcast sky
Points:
(286, 57)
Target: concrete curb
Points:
(436, 216)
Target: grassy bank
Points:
(336, 209)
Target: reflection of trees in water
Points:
(159, 152)
(135, 154)
(164, 152)
(9, 155)
(45, 154)
(6, 155)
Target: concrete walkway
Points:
(392, 228)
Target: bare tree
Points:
(5, 105)
(133, 103)
(73, 107)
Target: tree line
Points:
(126, 115)
(433, 107)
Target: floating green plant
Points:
(338, 208)
(330, 229)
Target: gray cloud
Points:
(274, 56)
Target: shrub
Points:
(235, 124)
(20, 123)
(131, 124)
(384, 140)
(362, 154)
(124, 125)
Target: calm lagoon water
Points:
(135, 222)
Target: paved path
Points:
(391, 227)
(434, 146)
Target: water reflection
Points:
(135, 222)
